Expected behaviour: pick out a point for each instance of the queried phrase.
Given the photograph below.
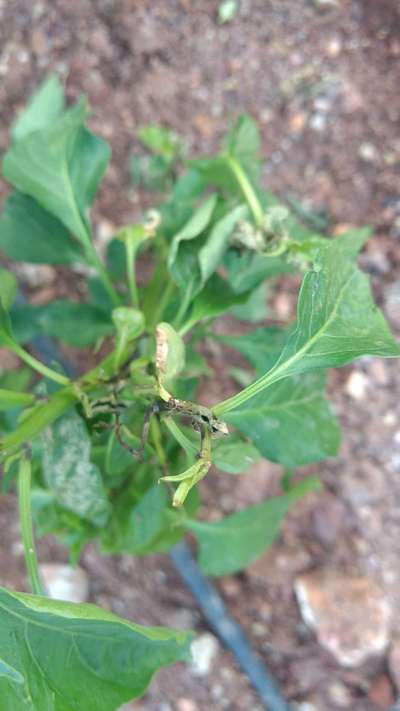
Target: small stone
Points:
(350, 616)
(297, 122)
(184, 704)
(368, 152)
(204, 650)
(318, 122)
(394, 663)
(35, 275)
(380, 693)
(357, 385)
(333, 47)
(329, 519)
(340, 695)
(63, 582)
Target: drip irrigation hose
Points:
(206, 596)
(229, 632)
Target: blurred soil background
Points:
(321, 77)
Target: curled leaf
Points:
(188, 479)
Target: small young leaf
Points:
(247, 270)
(59, 655)
(28, 233)
(227, 11)
(160, 140)
(216, 298)
(68, 471)
(215, 246)
(44, 108)
(193, 228)
(129, 323)
(231, 544)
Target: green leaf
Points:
(262, 347)
(243, 143)
(192, 229)
(227, 11)
(216, 298)
(291, 423)
(247, 270)
(231, 544)
(8, 288)
(255, 308)
(74, 323)
(44, 108)
(60, 166)
(337, 321)
(61, 656)
(233, 454)
(68, 471)
(211, 253)
(129, 322)
(28, 233)
(151, 524)
(10, 399)
(160, 140)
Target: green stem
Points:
(183, 441)
(247, 189)
(38, 366)
(169, 289)
(94, 259)
(25, 518)
(183, 307)
(130, 251)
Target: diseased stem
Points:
(247, 189)
(25, 518)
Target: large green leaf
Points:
(6, 338)
(337, 320)
(232, 543)
(28, 233)
(59, 166)
(58, 656)
(74, 323)
(246, 270)
(291, 422)
(68, 471)
(43, 109)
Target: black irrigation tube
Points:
(208, 599)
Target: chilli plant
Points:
(116, 453)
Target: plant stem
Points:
(247, 189)
(169, 289)
(183, 307)
(25, 518)
(130, 250)
(38, 366)
(94, 259)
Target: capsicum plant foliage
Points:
(117, 453)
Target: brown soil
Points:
(323, 86)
